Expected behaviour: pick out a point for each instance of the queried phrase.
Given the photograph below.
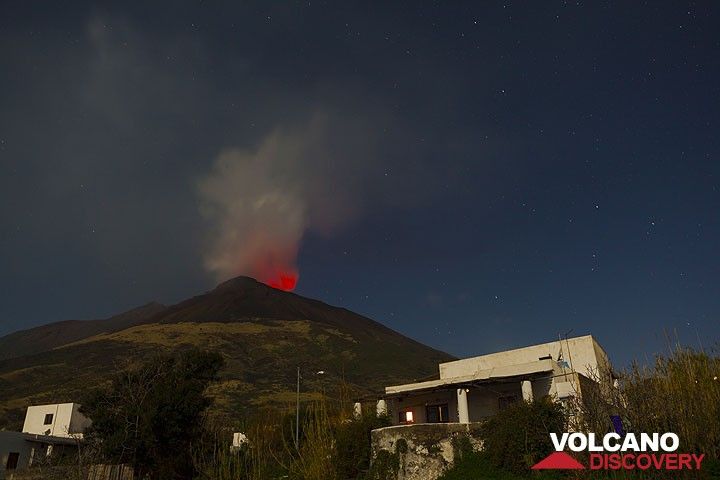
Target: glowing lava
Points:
(285, 281)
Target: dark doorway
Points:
(12, 461)
(437, 413)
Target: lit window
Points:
(409, 416)
(48, 419)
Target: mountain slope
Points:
(263, 333)
(47, 337)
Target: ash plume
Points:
(260, 202)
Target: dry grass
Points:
(326, 429)
(315, 457)
(679, 393)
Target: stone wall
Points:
(419, 451)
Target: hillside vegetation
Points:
(263, 335)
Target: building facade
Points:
(48, 430)
(473, 389)
(57, 420)
(429, 416)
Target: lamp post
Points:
(297, 412)
(297, 407)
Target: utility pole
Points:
(297, 412)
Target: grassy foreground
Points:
(679, 392)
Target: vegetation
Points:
(679, 393)
(519, 436)
(151, 415)
(333, 446)
(154, 417)
(263, 334)
(470, 464)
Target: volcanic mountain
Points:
(263, 333)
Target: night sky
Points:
(475, 175)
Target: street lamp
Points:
(297, 407)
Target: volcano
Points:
(285, 281)
(264, 333)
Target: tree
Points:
(150, 415)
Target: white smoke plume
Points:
(261, 202)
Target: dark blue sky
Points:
(485, 175)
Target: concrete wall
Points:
(582, 353)
(422, 452)
(484, 401)
(66, 421)
(14, 442)
(542, 387)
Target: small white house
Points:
(473, 389)
(58, 420)
(47, 429)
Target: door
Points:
(437, 413)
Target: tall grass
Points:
(315, 457)
(259, 459)
(679, 392)
(333, 445)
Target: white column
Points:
(527, 391)
(357, 410)
(463, 413)
(381, 407)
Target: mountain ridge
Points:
(51, 335)
(263, 333)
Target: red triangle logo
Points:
(558, 461)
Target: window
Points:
(437, 413)
(48, 419)
(506, 401)
(406, 416)
(12, 461)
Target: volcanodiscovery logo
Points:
(646, 451)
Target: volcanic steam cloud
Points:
(259, 203)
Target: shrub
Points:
(150, 415)
(353, 443)
(519, 436)
(470, 464)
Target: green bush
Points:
(519, 436)
(352, 439)
(470, 464)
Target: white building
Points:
(47, 429)
(473, 389)
(58, 420)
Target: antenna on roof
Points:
(561, 360)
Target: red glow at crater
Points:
(285, 281)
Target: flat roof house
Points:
(473, 389)
(427, 416)
(47, 429)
